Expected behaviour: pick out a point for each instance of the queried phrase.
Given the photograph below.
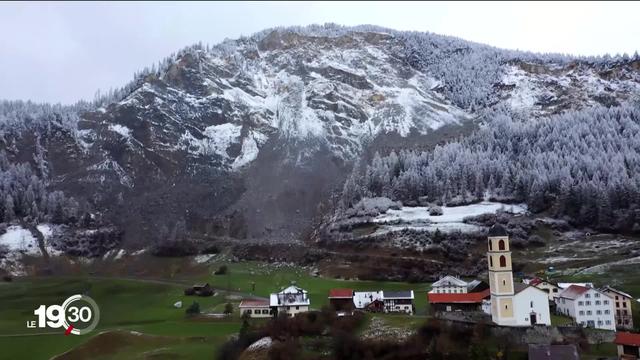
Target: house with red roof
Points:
(341, 299)
(588, 306)
(467, 301)
(628, 345)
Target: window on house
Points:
(580, 303)
(588, 312)
(248, 311)
(503, 261)
(599, 322)
(588, 303)
(504, 282)
(606, 302)
(555, 290)
(616, 297)
(581, 312)
(490, 245)
(625, 313)
(598, 312)
(490, 260)
(265, 311)
(617, 304)
(531, 304)
(597, 295)
(587, 295)
(624, 304)
(501, 245)
(597, 302)
(297, 307)
(608, 322)
(606, 312)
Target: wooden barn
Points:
(199, 290)
(341, 299)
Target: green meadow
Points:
(138, 319)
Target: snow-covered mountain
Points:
(250, 138)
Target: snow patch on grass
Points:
(18, 239)
(418, 217)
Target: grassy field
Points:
(138, 319)
(243, 277)
(124, 304)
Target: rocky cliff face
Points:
(250, 138)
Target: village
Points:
(501, 301)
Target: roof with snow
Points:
(398, 294)
(293, 290)
(465, 298)
(290, 296)
(254, 303)
(497, 230)
(627, 338)
(340, 294)
(553, 352)
(573, 292)
(609, 288)
(449, 281)
(363, 298)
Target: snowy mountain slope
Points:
(224, 108)
(250, 138)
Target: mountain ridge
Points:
(251, 139)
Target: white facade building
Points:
(291, 300)
(398, 301)
(255, 308)
(588, 306)
(449, 285)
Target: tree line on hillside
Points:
(24, 196)
(584, 165)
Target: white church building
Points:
(512, 304)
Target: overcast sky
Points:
(63, 52)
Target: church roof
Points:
(497, 230)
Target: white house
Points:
(512, 304)
(588, 306)
(291, 300)
(398, 301)
(255, 308)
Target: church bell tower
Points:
(500, 276)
